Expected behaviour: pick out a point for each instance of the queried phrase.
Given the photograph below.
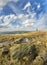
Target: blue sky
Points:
(19, 15)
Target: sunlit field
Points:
(23, 49)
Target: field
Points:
(24, 49)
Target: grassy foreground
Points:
(24, 49)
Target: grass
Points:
(21, 52)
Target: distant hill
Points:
(14, 32)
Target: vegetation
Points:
(23, 49)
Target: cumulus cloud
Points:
(22, 22)
(28, 23)
(6, 19)
(7, 22)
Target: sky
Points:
(23, 15)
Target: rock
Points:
(24, 40)
(5, 51)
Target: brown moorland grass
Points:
(24, 49)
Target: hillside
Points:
(24, 49)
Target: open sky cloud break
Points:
(26, 15)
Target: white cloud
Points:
(7, 20)
(14, 0)
(21, 16)
(27, 5)
(4, 2)
(29, 24)
(38, 6)
(26, 23)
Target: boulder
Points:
(5, 51)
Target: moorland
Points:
(24, 49)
